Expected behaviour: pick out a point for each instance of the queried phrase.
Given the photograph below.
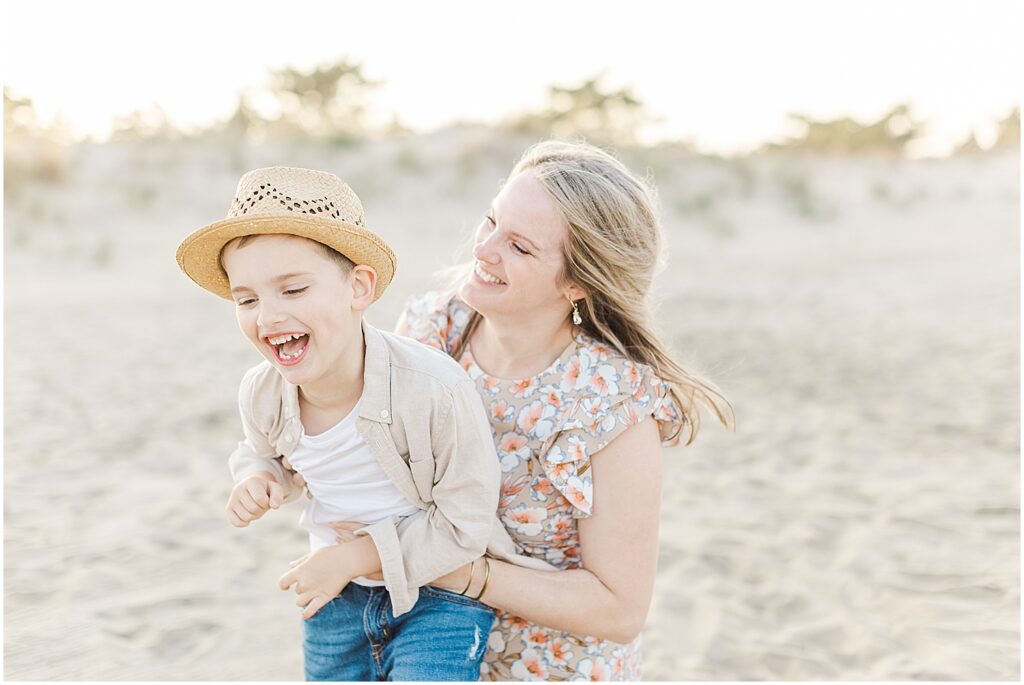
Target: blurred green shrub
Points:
(31, 150)
(887, 136)
(327, 102)
(589, 110)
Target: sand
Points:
(862, 314)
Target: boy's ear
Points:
(364, 283)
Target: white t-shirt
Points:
(346, 481)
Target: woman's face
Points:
(518, 255)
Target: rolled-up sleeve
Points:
(458, 525)
(255, 453)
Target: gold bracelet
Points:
(487, 576)
(471, 567)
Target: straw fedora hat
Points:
(302, 202)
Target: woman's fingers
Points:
(346, 526)
(315, 605)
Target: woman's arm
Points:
(608, 599)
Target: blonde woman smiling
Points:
(552, 323)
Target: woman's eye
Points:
(491, 221)
(519, 249)
(246, 302)
(296, 291)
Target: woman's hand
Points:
(345, 531)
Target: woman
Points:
(553, 325)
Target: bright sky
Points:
(723, 74)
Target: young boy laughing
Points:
(382, 429)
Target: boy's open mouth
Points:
(289, 348)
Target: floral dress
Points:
(546, 429)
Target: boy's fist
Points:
(251, 498)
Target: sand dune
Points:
(862, 315)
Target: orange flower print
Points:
(605, 380)
(631, 376)
(489, 384)
(496, 640)
(525, 387)
(541, 489)
(559, 651)
(530, 666)
(595, 669)
(537, 637)
(509, 489)
(501, 410)
(596, 415)
(512, 449)
(536, 420)
(524, 520)
(551, 395)
(559, 472)
(571, 377)
(618, 667)
(641, 394)
(579, 492)
(561, 525)
(577, 449)
(515, 623)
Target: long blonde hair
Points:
(613, 252)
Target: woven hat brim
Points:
(199, 253)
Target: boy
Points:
(381, 428)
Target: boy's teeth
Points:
(282, 339)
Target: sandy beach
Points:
(861, 313)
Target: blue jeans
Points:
(355, 637)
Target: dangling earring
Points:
(576, 318)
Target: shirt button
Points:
(383, 413)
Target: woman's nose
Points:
(484, 251)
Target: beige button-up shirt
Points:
(422, 417)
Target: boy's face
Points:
(296, 306)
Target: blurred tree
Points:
(144, 124)
(19, 115)
(30, 148)
(328, 101)
(245, 122)
(1009, 130)
(888, 135)
(1007, 137)
(589, 110)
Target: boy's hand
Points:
(251, 498)
(318, 578)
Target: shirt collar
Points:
(375, 403)
(376, 400)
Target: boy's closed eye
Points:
(245, 301)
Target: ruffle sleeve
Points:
(616, 394)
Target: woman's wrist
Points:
(458, 580)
